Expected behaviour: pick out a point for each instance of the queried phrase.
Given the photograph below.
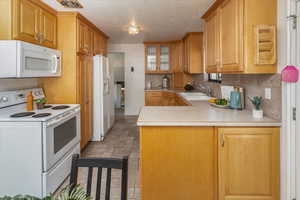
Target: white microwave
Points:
(24, 60)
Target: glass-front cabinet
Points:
(151, 58)
(158, 58)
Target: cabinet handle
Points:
(223, 140)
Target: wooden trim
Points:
(191, 33)
(158, 43)
(83, 19)
(212, 8)
(44, 6)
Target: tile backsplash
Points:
(254, 85)
(155, 79)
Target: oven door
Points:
(59, 136)
(39, 62)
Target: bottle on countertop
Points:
(30, 101)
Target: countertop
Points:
(200, 113)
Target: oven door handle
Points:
(61, 119)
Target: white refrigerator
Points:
(104, 112)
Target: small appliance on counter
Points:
(237, 100)
(165, 82)
(36, 145)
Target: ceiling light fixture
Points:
(134, 29)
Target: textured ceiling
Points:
(159, 19)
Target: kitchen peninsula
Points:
(201, 152)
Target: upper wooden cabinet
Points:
(249, 163)
(29, 21)
(211, 43)
(100, 44)
(193, 53)
(158, 58)
(232, 41)
(85, 40)
(48, 25)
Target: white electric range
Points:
(36, 147)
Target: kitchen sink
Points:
(195, 96)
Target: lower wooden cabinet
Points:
(178, 163)
(210, 163)
(163, 98)
(248, 163)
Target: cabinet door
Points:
(195, 53)
(164, 58)
(151, 58)
(212, 43)
(85, 97)
(248, 163)
(178, 163)
(97, 44)
(83, 45)
(231, 36)
(26, 21)
(48, 24)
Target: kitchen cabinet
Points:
(231, 33)
(100, 44)
(178, 163)
(85, 44)
(75, 86)
(224, 163)
(30, 21)
(164, 98)
(232, 44)
(153, 98)
(248, 163)
(48, 25)
(211, 43)
(85, 96)
(179, 77)
(158, 59)
(193, 53)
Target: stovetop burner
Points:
(60, 107)
(47, 106)
(41, 115)
(22, 114)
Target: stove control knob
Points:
(3, 99)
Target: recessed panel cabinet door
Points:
(231, 35)
(85, 97)
(212, 45)
(248, 163)
(48, 25)
(26, 18)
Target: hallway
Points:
(122, 140)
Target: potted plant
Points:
(257, 103)
(40, 103)
(77, 193)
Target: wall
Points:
(254, 85)
(12, 84)
(116, 61)
(134, 81)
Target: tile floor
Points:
(122, 140)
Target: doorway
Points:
(117, 63)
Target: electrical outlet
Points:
(268, 93)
